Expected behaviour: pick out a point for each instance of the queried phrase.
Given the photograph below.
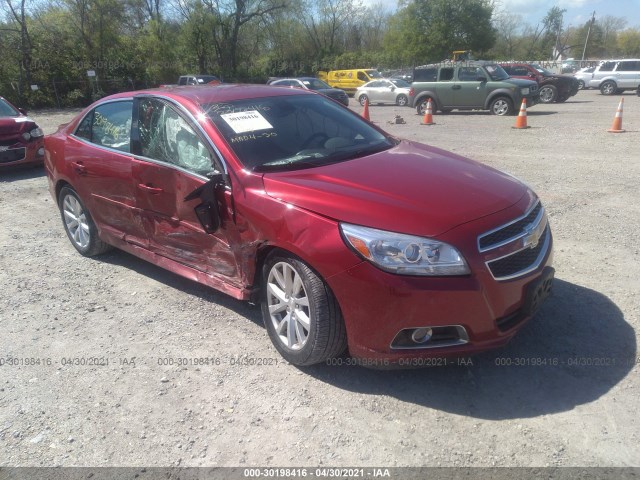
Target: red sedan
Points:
(21, 140)
(347, 236)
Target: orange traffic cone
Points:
(365, 110)
(617, 120)
(521, 119)
(428, 115)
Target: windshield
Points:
(206, 78)
(7, 110)
(315, 84)
(543, 71)
(496, 72)
(400, 83)
(293, 131)
(374, 73)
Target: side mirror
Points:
(531, 75)
(481, 78)
(393, 89)
(207, 211)
(22, 111)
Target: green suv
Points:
(473, 85)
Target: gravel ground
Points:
(564, 392)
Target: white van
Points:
(616, 76)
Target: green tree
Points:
(440, 26)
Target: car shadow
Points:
(123, 259)
(575, 350)
(21, 172)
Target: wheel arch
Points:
(501, 92)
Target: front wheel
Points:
(548, 94)
(608, 88)
(363, 99)
(402, 100)
(581, 85)
(501, 106)
(79, 225)
(301, 314)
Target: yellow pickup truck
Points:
(349, 80)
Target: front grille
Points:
(13, 155)
(518, 247)
(520, 262)
(508, 232)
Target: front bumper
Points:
(22, 154)
(379, 307)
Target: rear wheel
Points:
(301, 314)
(581, 84)
(79, 225)
(608, 88)
(362, 99)
(421, 108)
(501, 106)
(548, 94)
(402, 100)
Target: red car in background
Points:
(21, 140)
(346, 236)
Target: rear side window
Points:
(446, 74)
(628, 66)
(108, 125)
(425, 74)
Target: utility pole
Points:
(593, 20)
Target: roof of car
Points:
(465, 63)
(214, 93)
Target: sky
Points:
(577, 11)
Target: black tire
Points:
(421, 106)
(326, 335)
(84, 237)
(608, 88)
(363, 98)
(501, 106)
(548, 94)
(402, 100)
(581, 85)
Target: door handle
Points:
(456, 87)
(150, 189)
(79, 168)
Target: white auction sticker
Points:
(248, 121)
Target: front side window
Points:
(293, 131)
(607, 66)
(363, 77)
(108, 125)
(167, 137)
(468, 74)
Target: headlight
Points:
(404, 254)
(35, 133)
(524, 91)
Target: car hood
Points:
(9, 125)
(521, 82)
(411, 188)
(330, 92)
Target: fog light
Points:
(422, 335)
(40, 152)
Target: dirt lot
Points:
(563, 393)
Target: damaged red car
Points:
(21, 139)
(348, 237)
